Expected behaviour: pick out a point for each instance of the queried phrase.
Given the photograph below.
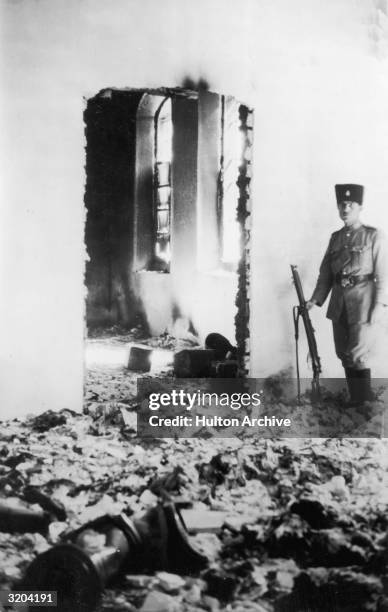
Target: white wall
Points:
(312, 69)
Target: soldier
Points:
(355, 269)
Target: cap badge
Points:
(347, 193)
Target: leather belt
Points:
(349, 280)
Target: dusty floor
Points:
(305, 520)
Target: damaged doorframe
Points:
(244, 218)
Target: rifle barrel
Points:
(313, 349)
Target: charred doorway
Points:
(167, 199)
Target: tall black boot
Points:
(353, 384)
(364, 384)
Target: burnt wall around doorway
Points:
(123, 286)
(110, 129)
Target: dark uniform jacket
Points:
(360, 251)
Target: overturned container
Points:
(156, 540)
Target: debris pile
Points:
(285, 524)
(295, 522)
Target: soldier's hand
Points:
(310, 304)
(378, 313)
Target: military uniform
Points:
(354, 269)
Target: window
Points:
(165, 178)
(162, 187)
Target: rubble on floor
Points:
(299, 524)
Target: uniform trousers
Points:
(353, 342)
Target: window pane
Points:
(164, 133)
(163, 222)
(163, 173)
(163, 197)
(162, 185)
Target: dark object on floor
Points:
(314, 513)
(155, 541)
(16, 519)
(220, 584)
(227, 369)
(171, 482)
(329, 590)
(32, 495)
(221, 346)
(49, 419)
(194, 363)
(139, 359)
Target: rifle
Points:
(301, 311)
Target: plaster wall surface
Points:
(315, 73)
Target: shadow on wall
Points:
(182, 327)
